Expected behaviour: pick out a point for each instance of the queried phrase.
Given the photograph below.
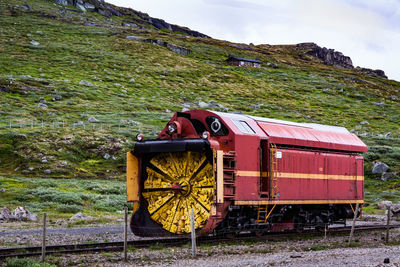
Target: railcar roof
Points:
(304, 134)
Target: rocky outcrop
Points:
(328, 56)
(371, 72)
(336, 58)
(137, 17)
(174, 48)
(19, 214)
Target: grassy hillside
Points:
(61, 68)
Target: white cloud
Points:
(366, 30)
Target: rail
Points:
(179, 241)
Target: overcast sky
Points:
(366, 30)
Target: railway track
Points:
(143, 243)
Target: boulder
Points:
(133, 37)
(64, 2)
(272, 65)
(89, 6)
(203, 104)
(26, 7)
(92, 119)
(34, 43)
(178, 50)
(57, 98)
(384, 204)
(395, 210)
(379, 104)
(104, 12)
(5, 214)
(379, 167)
(80, 7)
(41, 105)
(388, 176)
(78, 216)
(32, 217)
(86, 83)
(22, 214)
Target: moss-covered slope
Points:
(60, 66)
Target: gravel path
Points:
(332, 257)
(368, 249)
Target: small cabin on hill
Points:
(239, 61)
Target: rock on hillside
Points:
(109, 10)
(328, 56)
(335, 58)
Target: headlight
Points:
(171, 128)
(205, 135)
(140, 137)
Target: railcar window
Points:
(200, 128)
(243, 127)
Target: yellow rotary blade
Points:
(177, 182)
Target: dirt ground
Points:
(367, 249)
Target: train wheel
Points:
(177, 182)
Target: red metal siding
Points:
(309, 137)
(306, 175)
(247, 187)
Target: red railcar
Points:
(242, 172)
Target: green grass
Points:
(26, 262)
(62, 198)
(157, 246)
(134, 83)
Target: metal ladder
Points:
(229, 162)
(274, 167)
(263, 214)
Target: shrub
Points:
(46, 183)
(395, 155)
(23, 196)
(67, 198)
(381, 149)
(106, 189)
(39, 206)
(45, 194)
(111, 203)
(371, 156)
(68, 208)
(26, 262)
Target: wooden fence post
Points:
(193, 233)
(388, 223)
(354, 223)
(44, 237)
(125, 233)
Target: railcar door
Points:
(264, 169)
(359, 177)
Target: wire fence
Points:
(117, 126)
(45, 234)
